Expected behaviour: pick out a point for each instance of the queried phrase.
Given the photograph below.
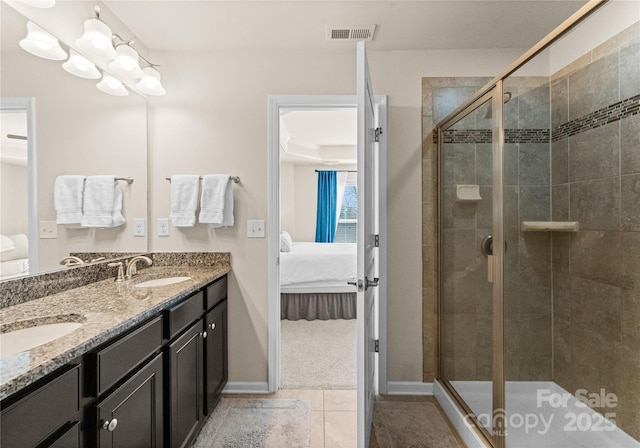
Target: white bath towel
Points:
(67, 198)
(184, 199)
(102, 204)
(216, 203)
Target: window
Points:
(347, 230)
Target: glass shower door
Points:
(466, 229)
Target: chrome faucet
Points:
(131, 265)
(71, 261)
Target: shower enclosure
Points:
(539, 242)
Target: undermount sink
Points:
(161, 282)
(33, 335)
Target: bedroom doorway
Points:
(293, 107)
(318, 223)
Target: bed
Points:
(313, 281)
(14, 256)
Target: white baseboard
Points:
(409, 388)
(244, 387)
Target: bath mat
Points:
(318, 354)
(255, 423)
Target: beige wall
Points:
(214, 119)
(13, 217)
(288, 198)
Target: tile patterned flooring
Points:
(333, 415)
(334, 418)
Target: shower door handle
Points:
(486, 247)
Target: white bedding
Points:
(310, 263)
(14, 268)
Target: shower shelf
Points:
(549, 226)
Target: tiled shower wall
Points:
(595, 106)
(440, 96)
(583, 307)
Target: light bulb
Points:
(80, 66)
(109, 84)
(150, 82)
(96, 40)
(42, 44)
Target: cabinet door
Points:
(215, 355)
(185, 386)
(131, 416)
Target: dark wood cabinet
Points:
(185, 399)
(149, 387)
(132, 415)
(215, 368)
(39, 416)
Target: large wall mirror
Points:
(77, 130)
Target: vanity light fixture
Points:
(80, 66)
(42, 44)
(112, 86)
(126, 63)
(96, 40)
(150, 82)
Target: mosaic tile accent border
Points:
(470, 136)
(601, 117)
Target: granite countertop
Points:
(105, 309)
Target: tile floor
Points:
(333, 415)
(334, 420)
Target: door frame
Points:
(28, 105)
(276, 103)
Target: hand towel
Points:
(216, 203)
(212, 204)
(67, 198)
(102, 202)
(184, 199)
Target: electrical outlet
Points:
(139, 226)
(48, 229)
(255, 228)
(163, 226)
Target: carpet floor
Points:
(318, 354)
(255, 423)
(411, 422)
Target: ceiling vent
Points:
(351, 33)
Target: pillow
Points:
(6, 243)
(285, 242)
(20, 250)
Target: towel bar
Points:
(235, 179)
(128, 180)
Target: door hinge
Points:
(378, 133)
(376, 345)
(376, 240)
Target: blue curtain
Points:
(326, 217)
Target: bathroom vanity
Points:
(145, 368)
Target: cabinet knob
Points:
(110, 425)
(213, 326)
(204, 335)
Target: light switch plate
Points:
(139, 226)
(163, 226)
(48, 229)
(255, 228)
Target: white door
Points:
(367, 253)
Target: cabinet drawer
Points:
(121, 356)
(179, 317)
(216, 293)
(38, 415)
(69, 439)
